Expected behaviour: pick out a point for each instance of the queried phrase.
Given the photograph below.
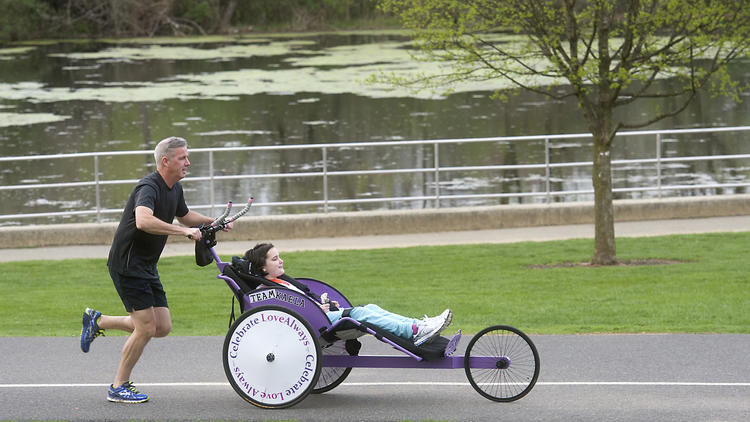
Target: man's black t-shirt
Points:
(135, 253)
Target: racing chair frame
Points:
(283, 346)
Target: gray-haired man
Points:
(146, 223)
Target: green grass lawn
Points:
(707, 291)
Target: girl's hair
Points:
(257, 258)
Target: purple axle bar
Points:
(450, 362)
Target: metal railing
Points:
(435, 171)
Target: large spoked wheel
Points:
(272, 357)
(502, 363)
(330, 376)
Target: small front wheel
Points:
(272, 357)
(502, 363)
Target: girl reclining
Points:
(265, 262)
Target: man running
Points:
(147, 221)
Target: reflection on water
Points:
(82, 97)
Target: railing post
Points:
(325, 180)
(211, 196)
(97, 189)
(658, 165)
(437, 174)
(547, 170)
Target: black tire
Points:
(272, 357)
(506, 363)
(330, 376)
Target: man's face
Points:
(177, 165)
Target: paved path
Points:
(654, 377)
(624, 229)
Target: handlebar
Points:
(224, 215)
(222, 221)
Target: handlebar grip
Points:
(222, 222)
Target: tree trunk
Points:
(226, 17)
(604, 220)
(601, 124)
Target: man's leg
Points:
(124, 323)
(144, 328)
(95, 323)
(148, 323)
(163, 321)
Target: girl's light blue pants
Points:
(375, 315)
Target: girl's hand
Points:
(326, 307)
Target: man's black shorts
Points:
(137, 293)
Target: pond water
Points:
(84, 96)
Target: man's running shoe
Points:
(90, 329)
(126, 393)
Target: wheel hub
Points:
(503, 363)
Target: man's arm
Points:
(145, 220)
(193, 218)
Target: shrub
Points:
(23, 19)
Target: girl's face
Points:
(274, 265)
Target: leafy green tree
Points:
(608, 54)
(23, 19)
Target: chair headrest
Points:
(241, 264)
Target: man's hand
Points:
(145, 220)
(193, 233)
